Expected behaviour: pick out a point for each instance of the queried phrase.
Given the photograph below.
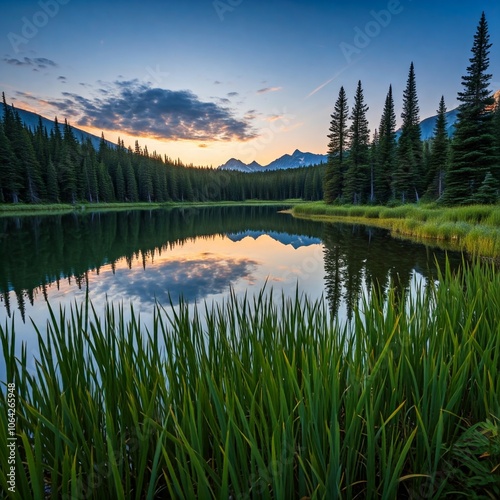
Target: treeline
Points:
(392, 170)
(41, 167)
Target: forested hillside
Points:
(41, 167)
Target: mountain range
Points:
(295, 160)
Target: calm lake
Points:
(142, 257)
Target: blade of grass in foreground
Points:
(259, 400)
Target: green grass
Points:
(18, 209)
(474, 229)
(250, 399)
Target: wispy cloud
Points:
(139, 109)
(35, 63)
(232, 94)
(265, 90)
(275, 117)
(62, 79)
(334, 77)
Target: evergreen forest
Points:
(38, 167)
(396, 167)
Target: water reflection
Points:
(359, 257)
(191, 278)
(294, 240)
(52, 256)
(143, 256)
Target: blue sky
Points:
(206, 80)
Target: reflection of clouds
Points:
(192, 278)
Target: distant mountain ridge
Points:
(296, 160)
(30, 119)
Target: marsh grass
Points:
(258, 398)
(474, 229)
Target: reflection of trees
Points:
(359, 257)
(38, 252)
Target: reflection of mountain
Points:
(38, 251)
(294, 240)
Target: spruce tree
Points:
(29, 169)
(496, 124)
(488, 191)
(51, 183)
(89, 170)
(10, 179)
(374, 152)
(408, 177)
(387, 149)
(474, 152)
(358, 161)
(130, 182)
(66, 177)
(104, 183)
(56, 141)
(119, 184)
(334, 176)
(439, 156)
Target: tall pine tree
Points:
(334, 176)
(474, 152)
(408, 177)
(386, 156)
(356, 179)
(439, 155)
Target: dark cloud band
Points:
(138, 109)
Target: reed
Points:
(265, 398)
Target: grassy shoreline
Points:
(473, 229)
(16, 210)
(265, 401)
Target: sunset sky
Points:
(206, 80)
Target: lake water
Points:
(199, 254)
